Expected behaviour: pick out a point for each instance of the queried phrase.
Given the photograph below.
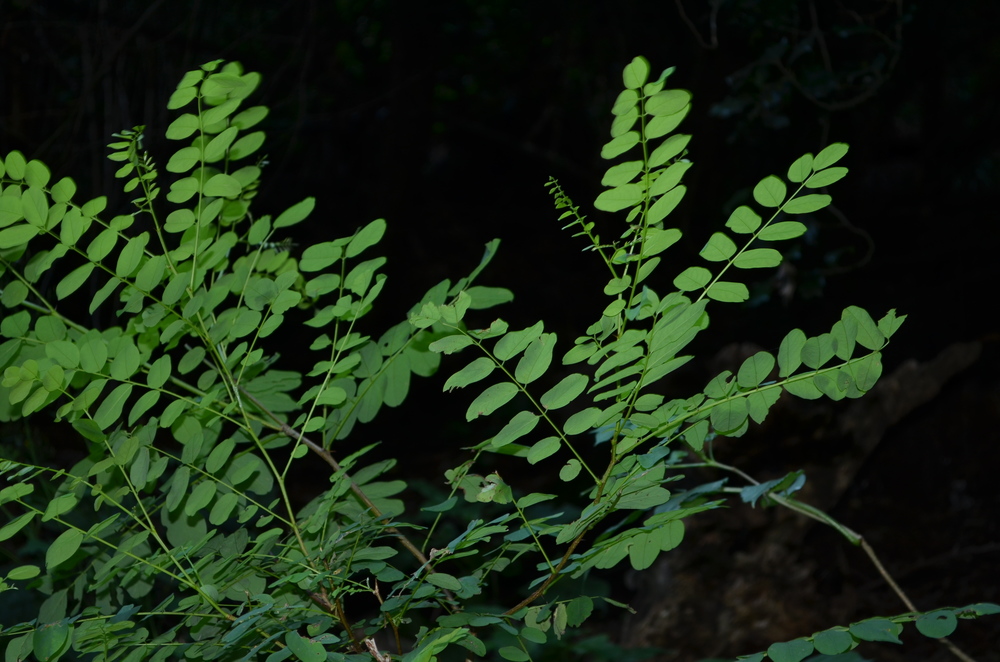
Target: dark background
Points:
(447, 117)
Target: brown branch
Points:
(288, 431)
(538, 592)
(955, 650)
(713, 42)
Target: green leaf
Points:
(729, 415)
(63, 547)
(185, 125)
(522, 423)
(563, 393)
(869, 335)
(643, 499)
(890, 323)
(17, 235)
(803, 388)
(516, 341)
(536, 360)
(692, 278)
(10, 210)
(11, 528)
(657, 240)
(662, 125)
(102, 244)
(51, 641)
(755, 370)
(784, 230)
(184, 160)
(826, 177)
(790, 651)
(668, 178)
(621, 197)
(487, 297)
(643, 551)
(622, 173)
(668, 102)
(445, 581)
(126, 361)
(728, 292)
(63, 190)
(719, 248)
(620, 145)
(937, 624)
(833, 642)
(64, 352)
(306, 650)
(790, 352)
(319, 256)
(131, 255)
(626, 101)
(757, 258)
(543, 449)
(668, 149)
(249, 117)
(223, 508)
(15, 164)
(296, 213)
(23, 572)
(843, 338)
(581, 421)
(806, 204)
(222, 186)
(770, 192)
(366, 237)
(142, 405)
(35, 207)
(480, 368)
(830, 155)
(801, 168)
(570, 470)
(451, 344)
(14, 294)
(636, 73)
(513, 653)
(60, 505)
(877, 629)
(624, 122)
(817, 351)
(491, 399)
(111, 407)
(200, 496)
(666, 204)
(760, 402)
(744, 220)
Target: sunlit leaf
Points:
(806, 204)
(719, 248)
(830, 155)
(770, 192)
(744, 220)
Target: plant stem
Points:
(330, 460)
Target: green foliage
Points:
(176, 535)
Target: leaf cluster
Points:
(177, 535)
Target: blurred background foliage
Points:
(447, 117)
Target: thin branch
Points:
(713, 41)
(288, 431)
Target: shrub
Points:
(176, 536)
